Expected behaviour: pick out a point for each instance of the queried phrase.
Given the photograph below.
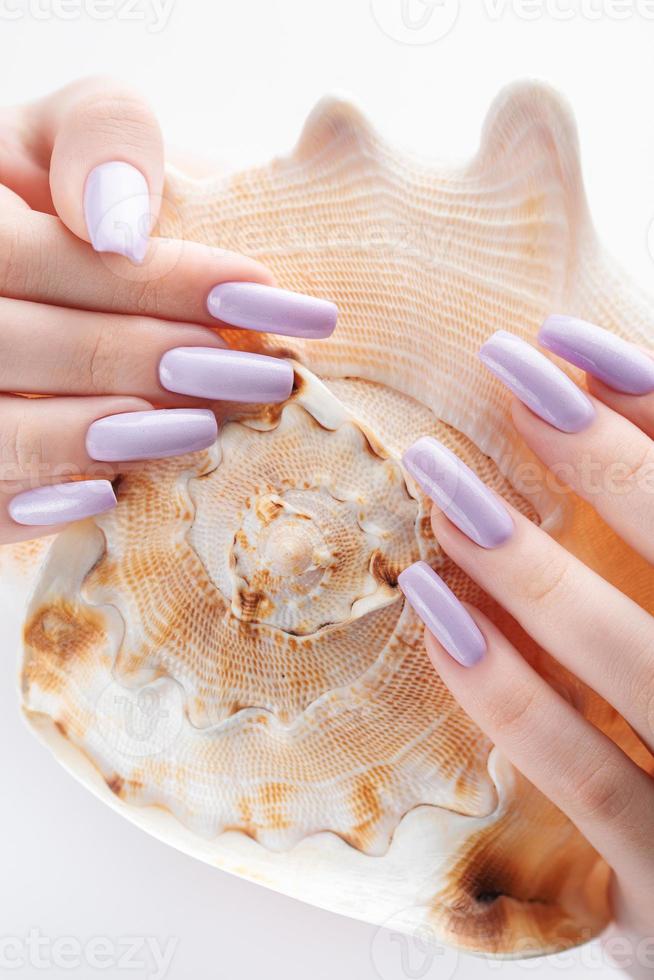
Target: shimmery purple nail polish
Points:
(459, 492)
(117, 210)
(615, 361)
(62, 502)
(151, 435)
(253, 306)
(537, 382)
(226, 375)
(442, 613)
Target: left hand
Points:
(111, 327)
(590, 627)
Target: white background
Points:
(236, 80)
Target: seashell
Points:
(226, 658)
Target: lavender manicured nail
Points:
(255, 307)
(614, 361)
(537, 382)
(117, 210)
(459, 492)
(151, 435)
(62, 502)
(442, 613)
(226, 375)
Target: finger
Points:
(619, 373)
(610, 464)
(586, 775)
(49, 440)
(24, 161)
(604, 457)
(106, 163)
(47, 509)
(41, 261)
(639, 409)
(52, 350)
(594, 630)
(29, 457)
(590, 627)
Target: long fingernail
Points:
(537, 382)
(255, 307)
(442, 613)
(151, 435)
(613, 360)
(117, 210)
(226, 375)
(459, 492)
(62, 502)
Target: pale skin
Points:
(89, 330)
(86, 328)
(594, 630)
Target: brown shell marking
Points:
(506, 897)
(57, 633)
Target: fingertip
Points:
(485, 625)
(638, 409)
(531, 427)
(118, 210)
(610, 396)
(523, 417)
(56, 503)
(445, 532)
(438, 519)
(106, 166)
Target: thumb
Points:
(106, 164)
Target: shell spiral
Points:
(226, 657)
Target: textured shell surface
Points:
(226, 658)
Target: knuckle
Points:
(601, 791)
(633, 463)
(149, 297)
(510, 711)
(545, 579)
(21, 448)
(24, 254)
(116, 112)
(106, 364)
(12, 269)
(100, 366)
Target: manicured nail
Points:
(615, 361)
(226, 375)
(62, 502)
(255, 307)
(442, 613)
(537, 382)
(459, 492)
(151, 435)
(117, 210)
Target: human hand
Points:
(590, 627)
(109, 336)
